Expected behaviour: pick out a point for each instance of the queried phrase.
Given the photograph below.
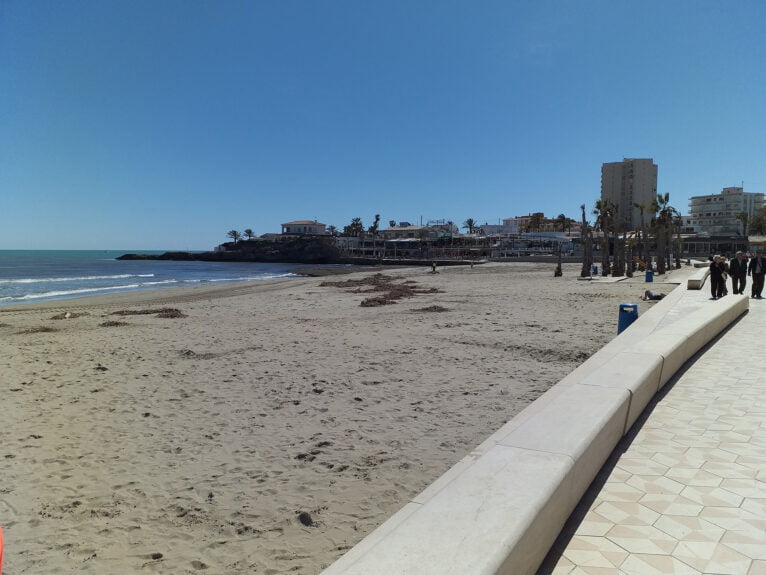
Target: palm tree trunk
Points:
(618, 264)
(587, 246)
(661, 251)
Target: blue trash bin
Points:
(628, 314)
(649, 276)
(594, 272)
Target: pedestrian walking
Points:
(738, 272)
(717, 282)
(757, 269)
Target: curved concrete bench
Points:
(697, 280)
(499, 509)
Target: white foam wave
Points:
(74, 279)
(65, 293)
(84, 291)
(163, 282)
(243, 279)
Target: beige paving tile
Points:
(596, 571)
(650, 436)
(671, 504)
(728, 436)
(751, 544)
(626, 513)
(618, 476)
(638, 564)
(594, 525)
(622, 491)
(642, 539)
(745, 487)
(717, 455)
(563, 567)
(685, 458)
(712, 496)
(689, 528)
(734, 519)
(594, 552)
(690, 476)
(756, 463)
(696, 441)
(711, 557)
(745, 449)
(730, 470)
(755, 506)
(635, 465)
(654, 484)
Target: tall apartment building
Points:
(718, 214)
(627, 184)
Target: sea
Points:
(28, 276)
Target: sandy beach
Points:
(268, 427)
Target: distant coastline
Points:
(232, 256)
(294, 251)
(310, 251)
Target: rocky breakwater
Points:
(301, 251)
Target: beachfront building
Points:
(533, 223)
(407, 231)
(304, 228)
(723, 213)
(628, 184)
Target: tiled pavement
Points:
(685, 492)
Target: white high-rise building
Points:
(628, 185)
(720, 213)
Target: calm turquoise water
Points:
(28, 276)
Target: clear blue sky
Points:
(145, 124)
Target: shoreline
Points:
(133, 297)
(268, 426)
(147, 294)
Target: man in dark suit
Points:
(757, 269)
(738, 272)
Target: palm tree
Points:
(757, 224)
(391, 223)
(604, 212)
(627, 249)
(234, 235)
(618, 243)
(373, 229)
(663, 227)
(586, 236)
(563, 221)
(355, 229)
(536, 221)
(743, 217)
(678, 222)
(470, 225)
(249, 234)
(332, 230)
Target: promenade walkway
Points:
(685, 491)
